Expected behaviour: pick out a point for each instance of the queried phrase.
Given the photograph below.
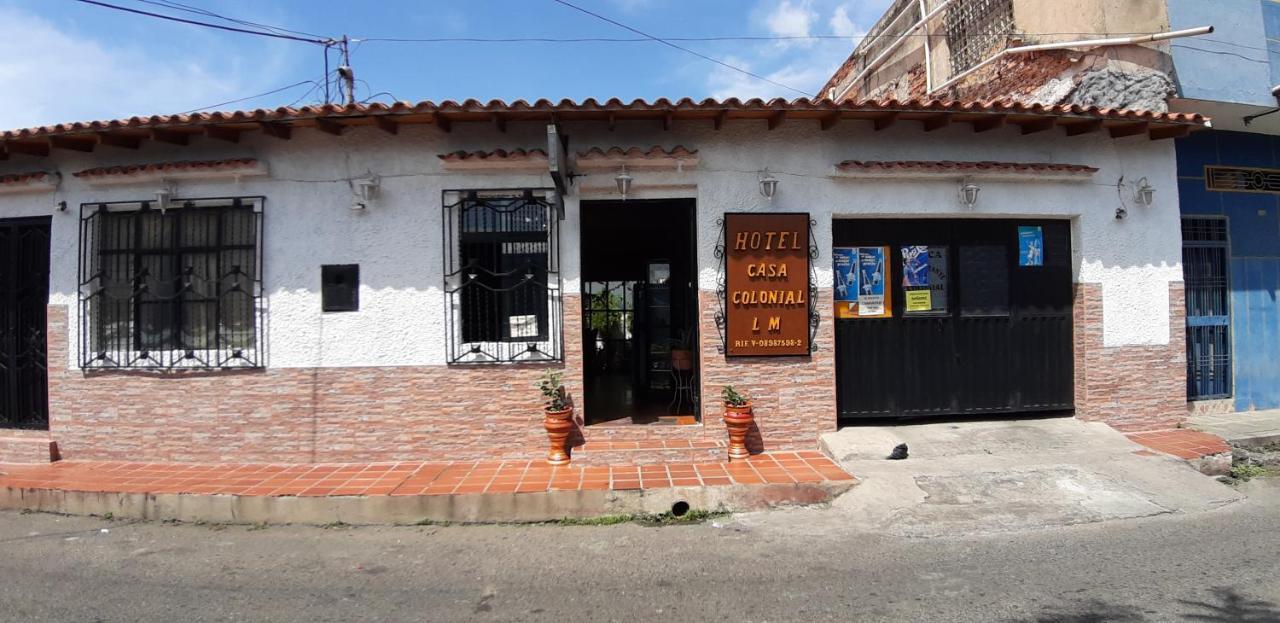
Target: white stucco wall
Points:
(397, 241)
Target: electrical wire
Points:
(178, 6)
(681, 48)
(761, 38)
(1218, 52)
(206, 24)
(251, 97)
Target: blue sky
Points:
(68, 61)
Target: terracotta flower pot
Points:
(559, 425)
(738, 420)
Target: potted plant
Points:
(738, 419)
(558, 417)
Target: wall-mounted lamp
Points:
(768, 184)
(366, 190)
(624, 182)
(60, 206)
(968, 193)
(1143, 193)
(163, 197)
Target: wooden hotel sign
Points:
(766, 284)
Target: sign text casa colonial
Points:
(767, 284)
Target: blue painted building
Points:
(1229, 188)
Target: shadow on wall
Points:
(1224, 605)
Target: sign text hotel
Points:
(767, 284)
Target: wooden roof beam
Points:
(988, 124)
(776, 119)
(391, 126)
(667, 119)
(4, 152)
(1169, 131)
(720, 118)
(937, 122)
(885, 121)
(282, 131)
(30, 149)
(829, 121)
(446, 126)
(171, 137)
(1128, 129)
(500, 123)
(122, 141)
(612, 121)
(73, 144)
(1039, 125)
(1087, 127)
(222, 134)
(329, 126)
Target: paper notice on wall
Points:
(523, 326)
(919, 300)
(845, 263)
(871, 280)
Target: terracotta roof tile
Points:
(952, 166)
(23, 178)
(655, 152)
(613, 105)
(495, 155)
(166, 167)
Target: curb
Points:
(390, 509)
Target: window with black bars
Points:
(171, 288)
(502, 277)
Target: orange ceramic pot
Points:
(559, 425)
(738, 420)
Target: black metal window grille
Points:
(1244, 180)
(171, 289)
(975, 30)
(1205, 266)
(502, 277)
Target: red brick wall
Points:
(1132, 388)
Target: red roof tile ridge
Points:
(988, 165)
(19, 178)
(178, 165)
(656, 151)
(494, 154)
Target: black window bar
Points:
(175, 288)
(502, 277)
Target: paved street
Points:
(1217, 565)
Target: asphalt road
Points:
(1222, 565)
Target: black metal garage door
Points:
(993, 335)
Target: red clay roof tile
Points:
(185, 165)
(946, 166)
(23, 178)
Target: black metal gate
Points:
(24, 293)
(1204, 262)
(994, 336)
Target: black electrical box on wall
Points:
(340, 287)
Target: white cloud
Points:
(52, 76)
(843, 25)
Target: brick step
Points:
(640, 452)
(28, 449)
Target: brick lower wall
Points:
(1132, 388)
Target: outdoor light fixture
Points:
(1143, 194)
(768, 185)
(624, 182)
(366, 191)
(162, 199)
(968, 193)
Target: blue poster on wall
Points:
(871, 278)
(1030, 245)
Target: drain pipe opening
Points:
(679, 508)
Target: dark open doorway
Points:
(24, 294)
(639, 312)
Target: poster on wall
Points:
(846, 277)
(1030, 245)
(871, 282)
(924, 278)
(860, 281)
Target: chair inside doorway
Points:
(639, 312)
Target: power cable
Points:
(205, 24)
(178, 6)
(251, 97)
(761, 38)
(682, 49)
(1218, 52)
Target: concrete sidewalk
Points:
(1247, 428)
(977, 477)
(389, 493)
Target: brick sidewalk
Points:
(413, 479)
(1182, 443)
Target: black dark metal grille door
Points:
(1204, 264)
(997, 337)
(24, 294)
